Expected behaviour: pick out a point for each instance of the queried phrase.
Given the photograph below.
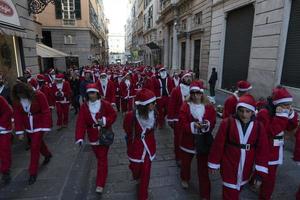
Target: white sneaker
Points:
(184, 184)
(99, 189)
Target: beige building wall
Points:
(270, 28)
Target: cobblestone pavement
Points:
(71, 173)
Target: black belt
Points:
(278, 137)
(247, 147)
(94, 126)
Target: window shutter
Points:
(77, 9)
(58, 10)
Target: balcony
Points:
(165, 5)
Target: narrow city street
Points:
(72, 171)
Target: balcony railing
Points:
(165, 4)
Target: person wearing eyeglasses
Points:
(197, 119)
(240, 146)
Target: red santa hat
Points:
(197, 85)
(28, 71)
(247, 101)
(161, 69)
(92, 87)
(40, 77)
(281, 95)
(59, 77)
(186, 74)
(51, 70)
(144, 97)
(244, 86)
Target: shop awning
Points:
(9, 20)
(48, 52)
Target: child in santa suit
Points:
(6, 113)
(178, 96)
(62, 92)
(32, 115)
(95, 113)
(277, 118)
(243, 87)
(197, 116)
(240, 145)
(107, 89)
(141, 146)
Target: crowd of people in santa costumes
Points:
(248, 146)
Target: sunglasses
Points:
(196, 92)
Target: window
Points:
(198, 18)
(150, 17)
(183, 25)
(69, 39)
(68, 12)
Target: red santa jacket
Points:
(237, 163)
(37, 119)
(297, 147)
(275, 127)
(157, 86)
(140, 140)
(187, 121)
(127, 92)
(6, 113)
(86, 119)
(33, 82)
(109, 92)
(48, 93)
(175, 102)
(230, 105)
(65, 90)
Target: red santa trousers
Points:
(203, 177)
(126, 105)
(230, 194)
(177, 138)
(102, 164)
(268, 183)
(5, 152)
(37, 146)
(162, 105)
(141, 172)
(62, 110)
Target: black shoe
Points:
(47, 160)
(31, 180)
(6, 178)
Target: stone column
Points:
(166, 46)
(188, 43)
(175, 48)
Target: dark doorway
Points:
(183, 47)
(70, 61)
(237, 46)
(197, 52)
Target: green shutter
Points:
(77, 9)
(58, 10)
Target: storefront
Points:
(11, 33)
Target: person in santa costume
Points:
(50, 77)
(32, 116)
(6, 113)
(240, 145)
(86, 80)
(297, 155)
(94, 114)
(243, 87)
(32, 81)
(44, 87)
(197, 117)
(62, 92)
(163, 86)
(176, 79)
(127, 92)
(277, 118)
(178, 96)
(139, 127)
(107, 89)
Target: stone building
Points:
(258, 41)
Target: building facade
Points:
(77, 28)
(116, 48)
(257, 41)
(18, 34)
